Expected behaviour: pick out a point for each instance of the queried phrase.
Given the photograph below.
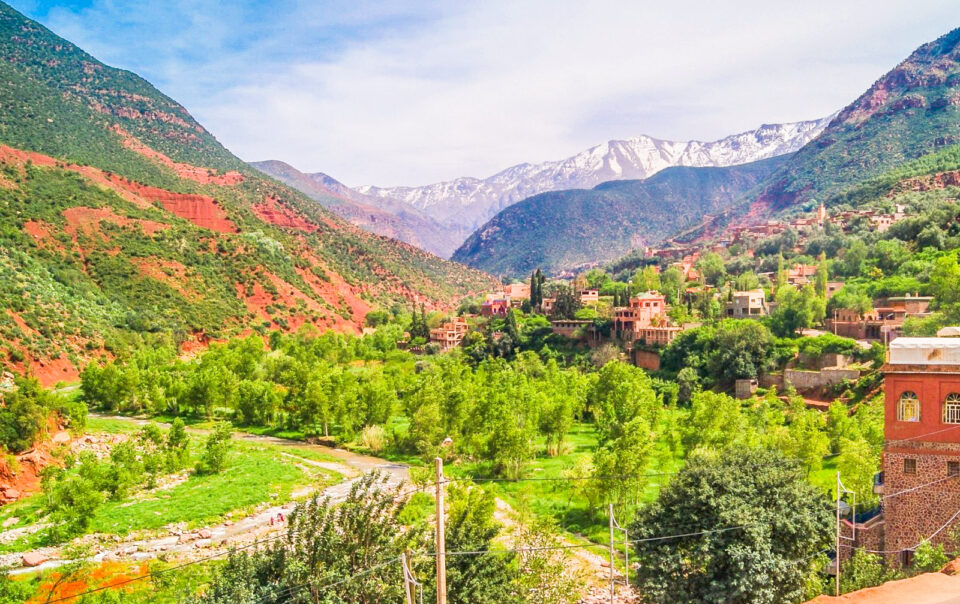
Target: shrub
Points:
(374, 438)
(215, 454)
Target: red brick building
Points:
(921, 457)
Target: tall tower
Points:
(821, 213)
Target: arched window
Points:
(951, 409)
(908, 409)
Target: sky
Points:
(413, 92)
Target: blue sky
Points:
(394, 92)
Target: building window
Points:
(953, 468)
(908, 409)
(951, 409)
(909, 466)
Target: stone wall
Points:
(646, 359)
(813, 380)
(870, 535)
(910, 517)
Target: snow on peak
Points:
(470, 202)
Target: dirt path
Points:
(185, 545)
(595, 568)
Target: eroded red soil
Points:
(169, 272)
(81, 219)
(204, 176)
(272, 211)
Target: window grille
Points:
(909, 466)
(908, 409)
(953, 468)
(951, 409)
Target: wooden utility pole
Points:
(837, 555)
(406, 579)
(441, 538)
(612, 587)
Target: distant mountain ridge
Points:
(378, 215)
(908, 115)
(469, 202)
(570, 229)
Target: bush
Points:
(928, 558)
(374, 438)
(214, 458)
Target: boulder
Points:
(10, 522)
(32, 559)
(952, 567)
(11, 493)
(61, 438)
(205, 534)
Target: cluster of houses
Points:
(686, 254)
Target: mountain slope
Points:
(912, 111)
(469, 202)
(122, 216)
(564, 229)
(382, 216)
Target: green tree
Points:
(774, 517)
(333, 553)
(716, 421)
(858, 463)
(746, 281)
(619, 464)
(671, 284)
(471, 528)
(822, 277)
(711, 269)
(24, 414)
(620, 394)
(796, 310)
(854, 257)
(214, 458)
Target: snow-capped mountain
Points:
(470, 202)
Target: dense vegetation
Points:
(91, 259)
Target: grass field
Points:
(558, 499)
(256, 473)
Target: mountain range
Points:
(125, 220)
(911, 112)
(379, 215)
(469, 202)
(569, 229)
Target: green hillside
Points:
(122, 217)
(565, 229)
(910, 112)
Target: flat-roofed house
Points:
(747, 304)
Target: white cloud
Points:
(387, 94)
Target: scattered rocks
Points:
(202, 543)
(10, 522)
